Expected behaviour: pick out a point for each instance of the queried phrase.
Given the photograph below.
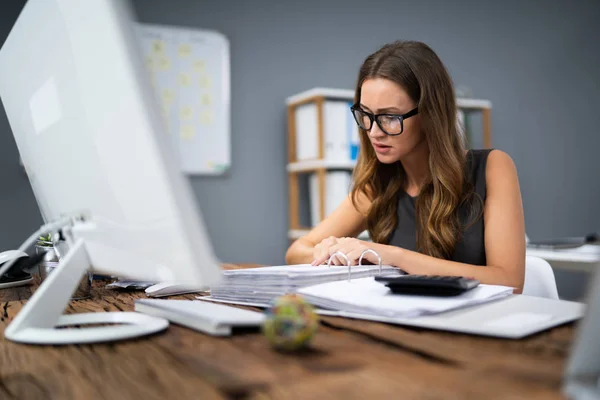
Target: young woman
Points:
(430, 206)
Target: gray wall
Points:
(537, 61)
(19, 215)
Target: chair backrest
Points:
(539, 278)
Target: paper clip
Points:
(376, 255)
(339, 253)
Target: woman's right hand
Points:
(321, 250)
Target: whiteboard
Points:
(190, 72)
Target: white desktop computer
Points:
(93, 142)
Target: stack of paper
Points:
(259, 286)
(368, 297)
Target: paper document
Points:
(366, 296)
(262, 285)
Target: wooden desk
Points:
(347, 359)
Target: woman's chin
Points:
(386, 158)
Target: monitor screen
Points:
(92, 140)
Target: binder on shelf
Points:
(337, 188)
(307, 144)
(340, 132)
(353, 134)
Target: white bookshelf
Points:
(329, 93)
(314, 165)
(473, 104)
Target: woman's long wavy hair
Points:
(416, 68)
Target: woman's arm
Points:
(504, 235)
(346, 220)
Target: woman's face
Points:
(382, 96)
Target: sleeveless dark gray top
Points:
(470, 248)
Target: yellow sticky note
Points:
(184, 80)
(205, 99)
(150, 63)
(164, 64)
(185, 50)
(158, 46)
(206, 117)
(205, 81)
(186, 113)
(186, 132)
(199, 66)
(210, 164)
(168, 96)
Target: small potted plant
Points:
(45, 244)
(45, 241)
(54, 249)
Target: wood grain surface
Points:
(347, 359)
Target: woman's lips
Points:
(381, 148)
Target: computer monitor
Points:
(94, 145)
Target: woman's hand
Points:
(321, 250)
(352, 248)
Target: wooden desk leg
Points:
(293, 201)
(322, 193)
(487, 129)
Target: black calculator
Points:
(428, 285)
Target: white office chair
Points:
(539, 278)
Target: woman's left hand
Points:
(352, 248)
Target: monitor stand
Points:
(41, 319)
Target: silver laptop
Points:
(511, 317)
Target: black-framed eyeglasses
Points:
(390, 124)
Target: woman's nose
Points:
(375, 132)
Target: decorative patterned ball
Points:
(290, 323)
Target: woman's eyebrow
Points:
(392, 110)
(383, 110)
